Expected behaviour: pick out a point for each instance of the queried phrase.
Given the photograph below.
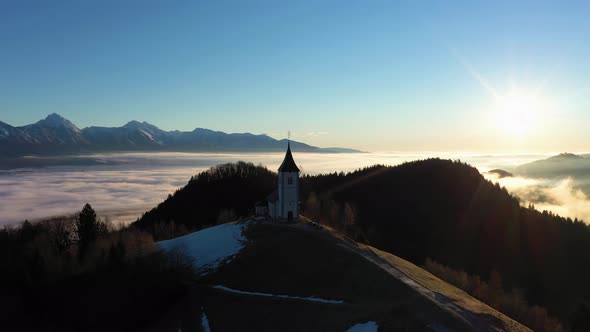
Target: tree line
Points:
(510, 302)
(79, 272)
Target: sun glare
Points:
(517, 113)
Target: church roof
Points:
(288, 164)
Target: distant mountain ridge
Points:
(57, 135)
(562, 165)
(501, 173)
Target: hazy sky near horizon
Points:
(373, 75)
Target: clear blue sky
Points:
(374, 75)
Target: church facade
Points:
(282, 205)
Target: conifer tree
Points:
(87, 227)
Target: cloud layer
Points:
(129, 184)
(562, 196)
(32, 195)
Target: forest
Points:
(221, 194)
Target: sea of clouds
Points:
(123, 186)
(561, 196)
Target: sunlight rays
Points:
(517, 112)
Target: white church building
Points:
(282, 205)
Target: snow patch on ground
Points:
(210, 247)
(310, 299)
(205, 322)
(364, 327)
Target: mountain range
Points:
(57, 135)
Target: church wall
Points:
(272, 210)
(289, 194)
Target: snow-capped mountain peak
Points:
(55, 120)
(56, 134)
(5, 129)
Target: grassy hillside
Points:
(300, 261)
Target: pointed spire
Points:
(288, 164)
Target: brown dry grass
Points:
(297, 260)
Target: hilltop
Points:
(296, 277)
(438, 209)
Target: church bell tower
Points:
(288, 208)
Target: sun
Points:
(517, 113)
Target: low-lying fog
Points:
(122, 186)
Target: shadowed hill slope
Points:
(447, 211)
(297, 278)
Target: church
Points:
(282, 205)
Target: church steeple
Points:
(287, 205)
(288, 164)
